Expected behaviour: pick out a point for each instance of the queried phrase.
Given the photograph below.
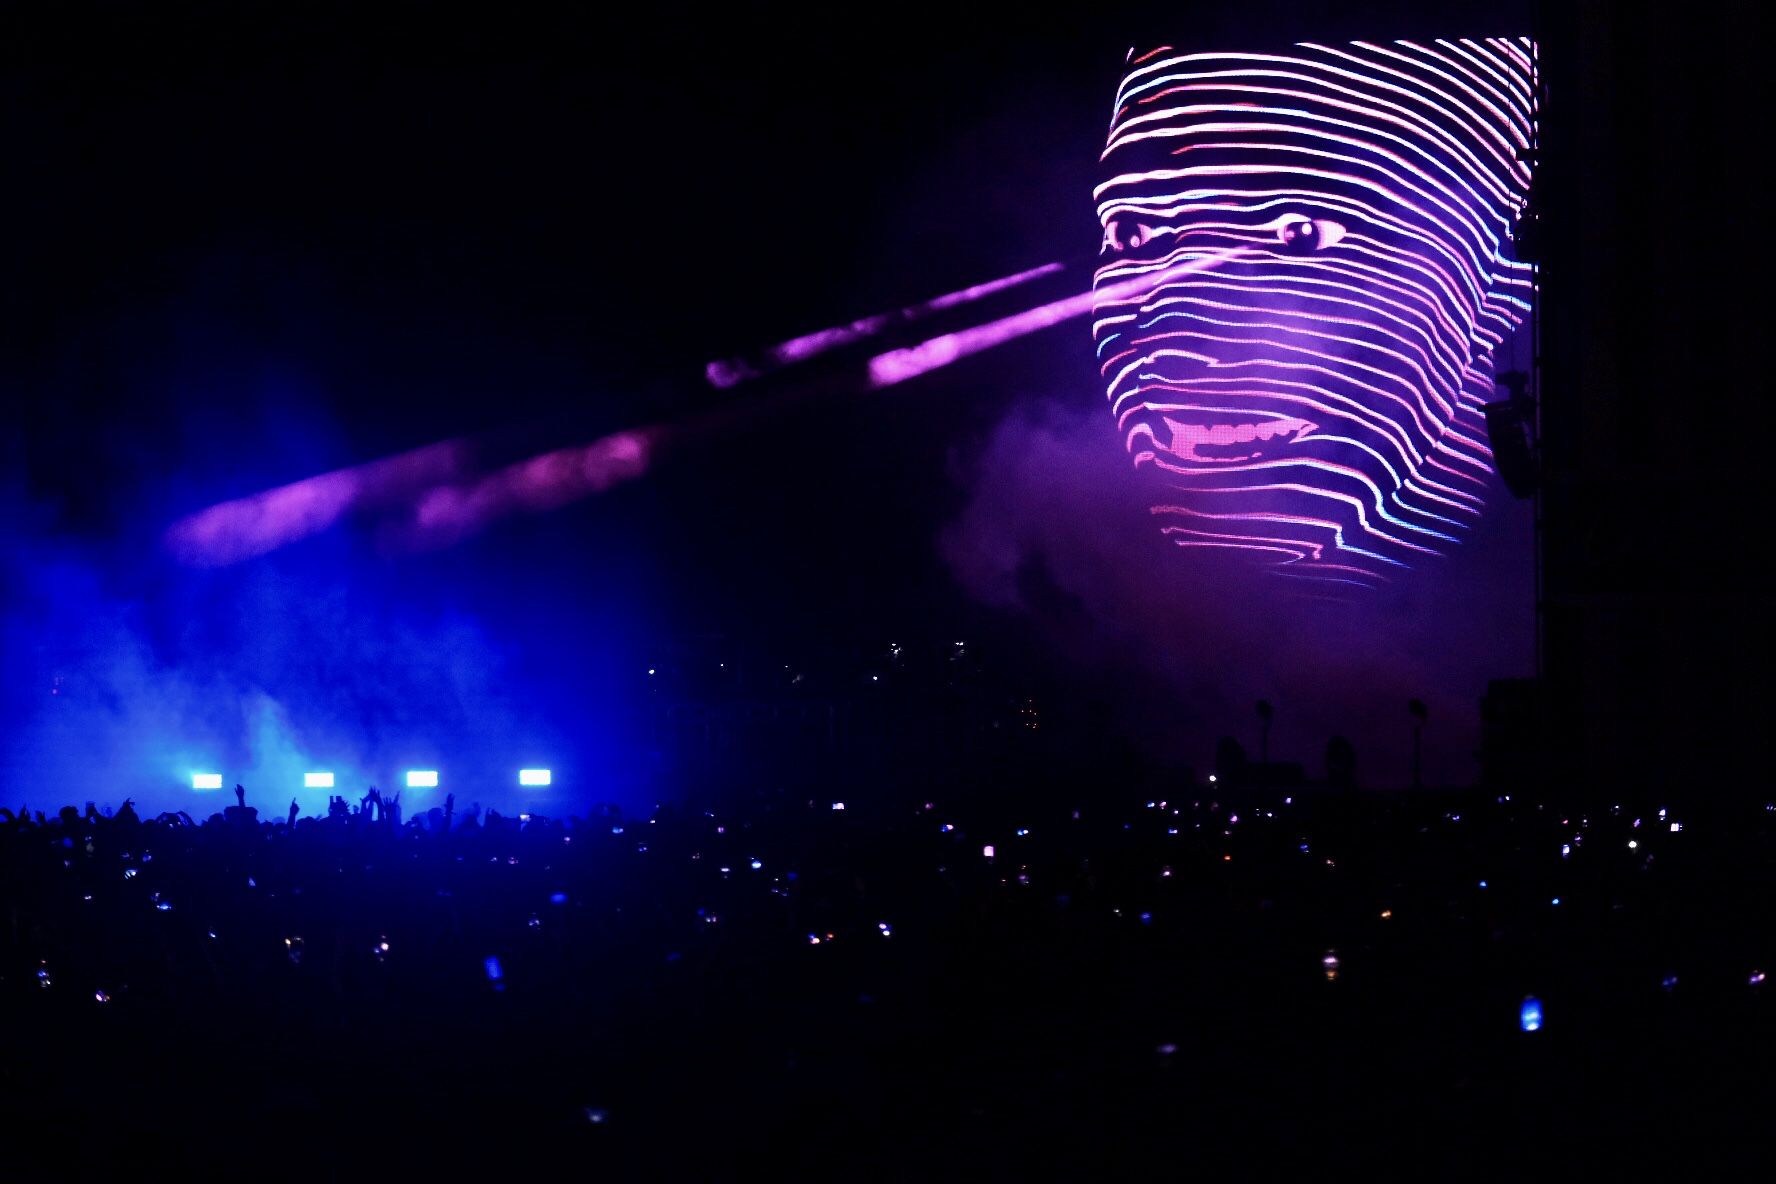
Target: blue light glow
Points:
(422, 779)
(206, 781)
(1529, 1017)
(534, 776)
(494, 973)
(317, 781)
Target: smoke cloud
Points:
(126, 673)
(1056, 531)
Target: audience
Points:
(1073, 979)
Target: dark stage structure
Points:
(1655, 635)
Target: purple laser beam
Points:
(734, 371)
(897, 366)
(248, 527)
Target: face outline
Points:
(1304, 272)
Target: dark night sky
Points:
(247, 249)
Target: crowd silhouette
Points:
(1071, 977)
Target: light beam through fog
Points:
(899, 365)
(248, 527)
(449, 512)
(436, 498)
(735, 371)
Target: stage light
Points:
(206, 781)
(1529, 1016)
(317, 781)
(422, 779)
(533, 777)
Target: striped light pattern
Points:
(1312, 400)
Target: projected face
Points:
(1327, 230)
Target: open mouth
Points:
(1226, 443)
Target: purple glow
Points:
(450, 512)
(252, 526)
(1314, 404)
(899, 365)
(735, 371)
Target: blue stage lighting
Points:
(206, 781)
(1529, 1016)
(317, 781)
(422, 779)
(533, 776)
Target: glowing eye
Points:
(1124, 235)
(1304, 236)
